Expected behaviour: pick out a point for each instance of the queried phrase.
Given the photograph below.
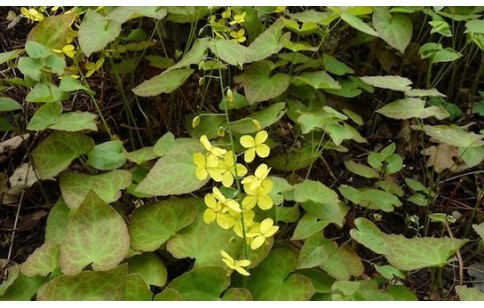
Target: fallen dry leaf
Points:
(441, 157)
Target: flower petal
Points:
(265, 202)
(233, 205)
(218, 195)
(249, 202)
(249, 155)
(257, 242)
(227, 256)
(242, 263)
(212, 161)
(228, 179)
(201, 173)
(209, 216)
(271, 231)
(263, 150)
(210, 202)
(206, 144)
(241, 271)
(261, 137)
(247, 141)
(225, 221)
(266, 224)
(241, 170)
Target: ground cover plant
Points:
(241, 153)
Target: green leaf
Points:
(295, 160)
(408, 108)
(57, 152)
(316, 192)
(454, 135)
(317, 80)
(201, 284)
(274, 279)
(202, 241)
(57, 222)
(300, 46)
(124, 13)
(69, 84)
(358, 24)
(107, 156)
(373, 199)
(237, 294)
(163, 83)
(45, 116)
(336, 67)
(318, 217)
(45, 93)
(36, 50)
(438, 54)
(76, 186)
(395, 83)
(96, 32)
(150, 267)
(266, 117)
(52, 31)
(42, 261)
(474, 26)
(30, 67)
(141, 155)
(87, 286)
(196, 54)
(164, 144)
(403, 253)
(395, 29)
(9, 55)
(8, 104)
(479, 229)
(185, 14)
(269, 42)
(13, 273)
(137, 289)
(23, 288)
(96, 235)
(152, 225)
(259, 86)
(229, 51)
(174, 173)
(389, 272)
(321, 281)
(441, 27)
(361, 170)
(469, 294)
(75, 121)
(209, 125)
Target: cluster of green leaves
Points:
(280, 69)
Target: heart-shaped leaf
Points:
(404, 253)
(395, 29)
(52, 31)
(96, 234)
(395, 83)
(57, 152)
(408, 108)
(229, 51)
(316, 192)
(23, 288)
(150, 267)
(273, 279)
(152, 225)
(107, 156)
(163, 83)
(201, 284)
(174, 173)
(8, 104)
(269, 42)
(358, 24)
(317, 80)
(108, 186)
(266, 117)
(469, 294)
(87, 286)
(454, 135)
(260, 86)
(96, 32)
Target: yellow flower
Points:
(238, 19)
(31, 14)
(261, 232)
(258, 196)
(207, 166)
(235, 264)
(227, 13)
(69, 50)
(280, 9)
(92, 67)
(225, 202)
(229, 166)
(248, 221)
(239, 36)
(255, 146)
(210, 148)
(259, 176)
(71, 35)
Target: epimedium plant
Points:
(269, 229)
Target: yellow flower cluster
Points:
(237, 214)
(227, 25)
